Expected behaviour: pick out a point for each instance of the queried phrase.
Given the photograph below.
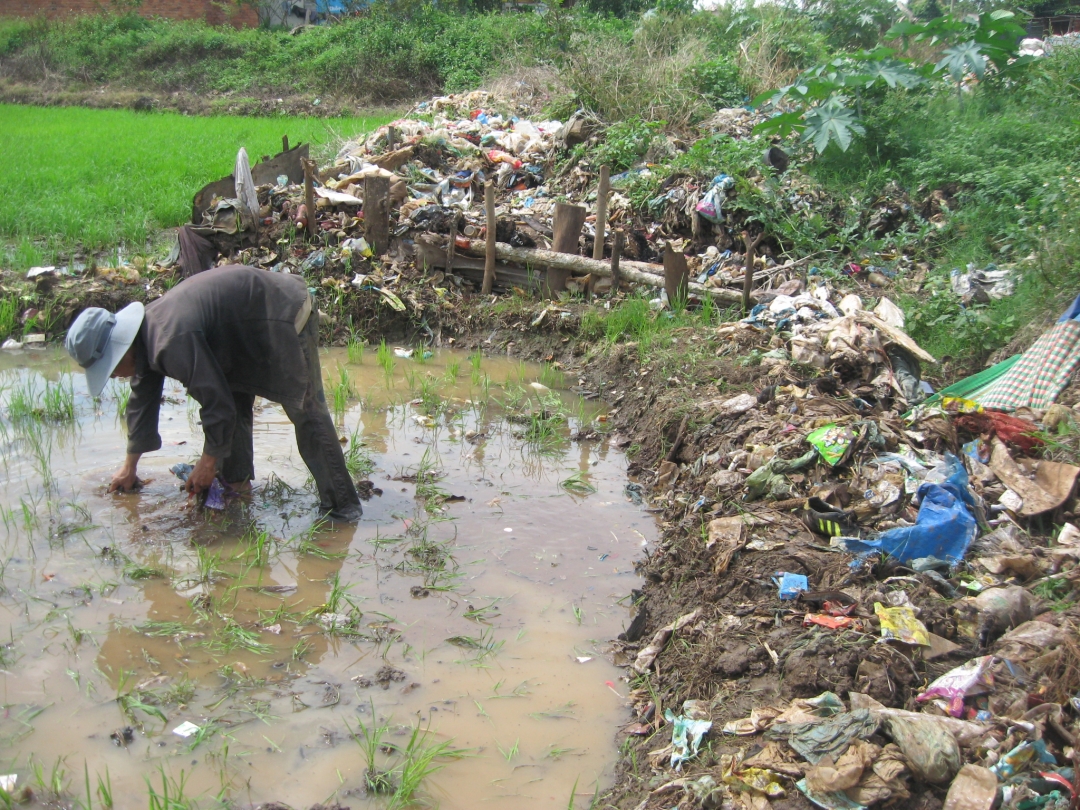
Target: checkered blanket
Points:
(1041, 374)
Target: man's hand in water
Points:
(202, 476)
(125, 479)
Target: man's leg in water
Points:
(238, 468)
(317, 438)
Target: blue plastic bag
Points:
(944, 528)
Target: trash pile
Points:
(430, 213)
(878, 613)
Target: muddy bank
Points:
(56, 93)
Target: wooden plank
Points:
(309, 196)
(676, 276)
(489, 247)
(377, 213)
(616, 254)
(567, 224)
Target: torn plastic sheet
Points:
(971, 678)
(214, 497)
(686, 735)
(944, 528)
(828, 737)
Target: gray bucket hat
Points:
(98, 340)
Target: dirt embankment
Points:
(54, 93)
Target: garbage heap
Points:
(435, 164)
(873, 603)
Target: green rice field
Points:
(100, 179)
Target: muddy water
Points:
(480, 617)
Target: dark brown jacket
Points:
(229, 329)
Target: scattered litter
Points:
(901, 624)
(687, 730)
(185, 729)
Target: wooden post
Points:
(676, 276)
(601, 221)
(309, 196)
(616, 253)
(391, 138)
(566, 227)
(601, 213)
(489, 248)
(377, 213)
(451, 247)
(284, 143)
(748, 272)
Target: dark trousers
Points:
(316, 436)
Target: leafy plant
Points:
(824, 104)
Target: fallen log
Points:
(638, 272)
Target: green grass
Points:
(106, 177)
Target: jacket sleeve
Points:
(188, 359)
(142, 413)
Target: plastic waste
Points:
(1001, 609)
(769, 478)
(832, 441)
(974, 788)
(1019, 758)
(791, 585)
(972, 678)
(213, 498)
(900, 624)
(930, 748)
(944, 528)
(829, 737)
(686, 733)
(711, 204)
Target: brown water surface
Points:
(483, 620)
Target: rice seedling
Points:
(428, 394)
(132, 702)
(563, 712)
(421, 759)
(370, 740)
(355, 349)
(256, 546)
(342, 392)
(121, 391)
(421, 354)
(231, 636)
(55, 784)
(579, 613)
(104, 791)
(358, 460)
(307, 545)
(482, 647)
(40, 442)
(172, 796)
(406, 767)
(137, 571)
(453, 368)
(277, 491)
(578, 484)
(550, 376)
(557, 752)
(510, 751)
(54, 402)
(385, 358)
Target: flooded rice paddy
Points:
(449, 649)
